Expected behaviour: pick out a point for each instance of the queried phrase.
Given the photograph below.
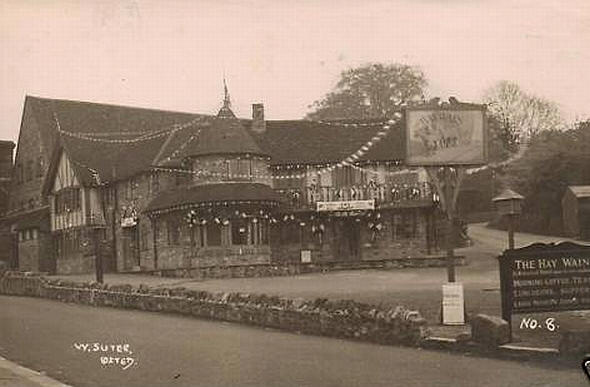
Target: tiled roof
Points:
(286, 142)
(223, 192)
(308, 142)
(112, 161)
(226, 135)
(37, 219)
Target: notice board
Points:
(545, 278)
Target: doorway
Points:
(348, 246)
(130, 244)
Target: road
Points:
(416, 288)
(497, 240)
(181, 351)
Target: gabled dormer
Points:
(72, 190)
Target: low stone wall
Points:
(288, 269)
(343, 319)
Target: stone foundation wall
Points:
(173, 257)
(28, 255)
(343, 319)
(288, 269)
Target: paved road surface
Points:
(181, 351)
(497, 240)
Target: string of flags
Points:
(144, 137)
(349, 125)
(348, 161)
(181, 148)
(202, 218)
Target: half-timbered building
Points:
(152, 190)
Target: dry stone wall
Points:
(343, 319)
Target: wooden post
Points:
(447, 181)
(511, 231)
(193, 243)
(98, 260)
(506, 290)
(155, 240)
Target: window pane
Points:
(239, 232)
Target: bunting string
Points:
(178, 150)
(144, 137)
(346, 162)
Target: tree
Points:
(554, 160)
(519, 116)
(373, 90)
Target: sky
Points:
(173, 54)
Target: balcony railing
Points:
(384, 196)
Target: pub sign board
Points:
(446, 135)
(545, 278)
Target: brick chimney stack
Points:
(258, 122)
(6, 148)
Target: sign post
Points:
(545, 278)
(447, 182)
(446, 139)
(508, 204)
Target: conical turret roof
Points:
(225, 135)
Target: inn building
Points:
(153, 190)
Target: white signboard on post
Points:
(305, 256)
(453, 304)
(346, 205)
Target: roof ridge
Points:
(113, 105)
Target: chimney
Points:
(258, 123)
(6, 164)
(6, 148)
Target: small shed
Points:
(575, 206)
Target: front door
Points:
(130, 248)
(348, 242)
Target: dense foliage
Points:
(553, 161)
(373, 90)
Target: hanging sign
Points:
(346, 205)
(451, 135)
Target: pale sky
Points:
(172, 54)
